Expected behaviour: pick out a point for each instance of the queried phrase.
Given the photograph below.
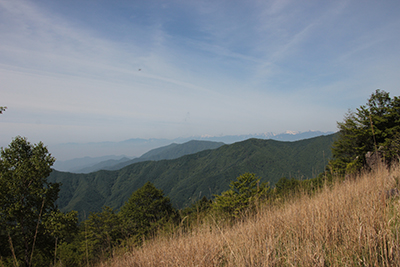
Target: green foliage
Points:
(201, 205)
(2, 109)
(146, 211)
(243, 194)
(96, 239)
(72, 253)
(103, 231)
(62, 227)
(287, 187)
(391, 148)
(27, 203)
(374, 127)
(195, 214)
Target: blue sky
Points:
(97, 70)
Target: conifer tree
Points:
(374, 127)
(243, 193)
(146, 210)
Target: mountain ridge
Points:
(166, 152)
(189, 177)
(139, 146)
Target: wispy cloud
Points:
(169, 69)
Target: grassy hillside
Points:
(190, 177)
(355, 223)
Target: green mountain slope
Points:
(174, 150)
(171, 151)
(103, 165)
(188, 178)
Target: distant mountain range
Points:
(286, 136)
(171, 151)
(188, 178)
(103, 154)
(77, 164)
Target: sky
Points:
(96, 70)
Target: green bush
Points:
(145, 212)
(244, 194)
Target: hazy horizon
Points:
(136, 147)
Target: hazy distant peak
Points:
(292, 132)
(137, 147)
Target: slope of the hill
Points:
(171, 151)
(174, 150)
(348, 224)
(102, 165)
(188, 178)
(76, 164)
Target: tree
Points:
(146, 210)
(2, 109)
(243, 193)
(374, 127)
(104, 232)
(62, 228)
(97, 238)
(287, 187)
(26, 200)
(201, 205)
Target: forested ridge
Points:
(171, 151)
(187, 179)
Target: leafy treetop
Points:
(146, 209)
(29, 219)
(374, 127)
(243, 193)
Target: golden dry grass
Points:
(351, 224)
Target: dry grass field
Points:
(353, 223)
